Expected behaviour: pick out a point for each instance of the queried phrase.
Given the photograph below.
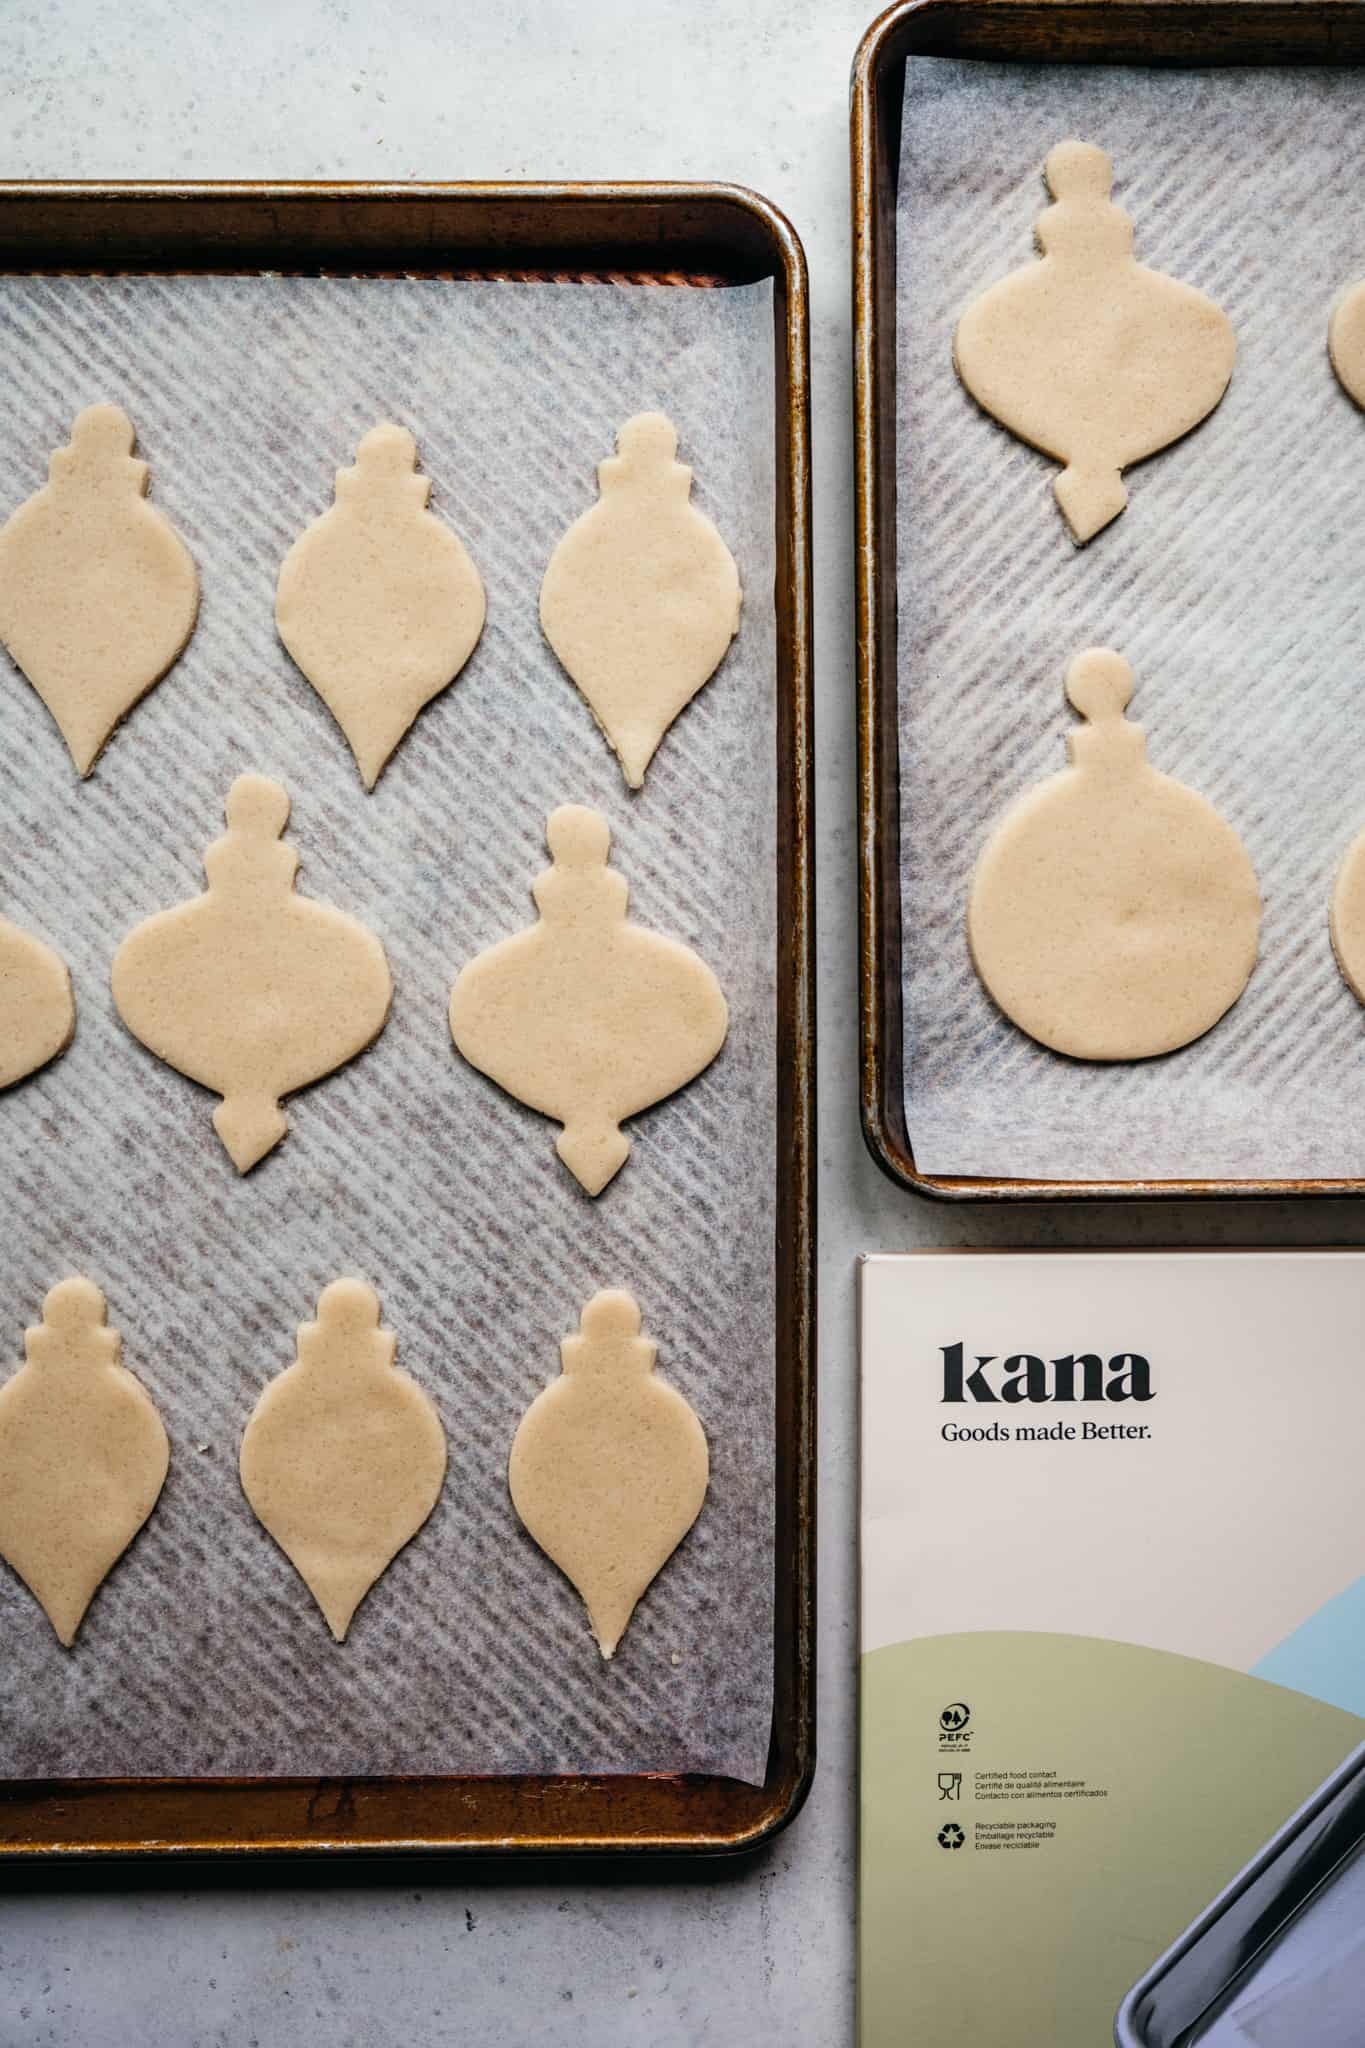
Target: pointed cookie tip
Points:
(249, 1130)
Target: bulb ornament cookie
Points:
(83, 1456)
(37, 1010)
(1113, 913)
(251, 989)
(587, 1017)
(609, 1466)
(1087, 354)
(641, 598)
(1346, 342)
(378, 601)
(98, 593)
(344, 1457)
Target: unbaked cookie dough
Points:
(1088, 355)
(344, 1457)
(1113, 913)
(37, 1011)
(587, 1017)
(250, 989)
(83, 1456)
(98, 594)
(609, 1466)
(1346, 342)
(1346, 917)
(642, 597)
(378, 602)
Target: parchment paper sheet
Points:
(204, 1653)
(1233, 583)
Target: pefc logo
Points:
(954, 1718)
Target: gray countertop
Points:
(729, 1957)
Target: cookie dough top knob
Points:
(608, 1338)
(100, 453)
(646, 450)
(251, 855)
(74, 1329)
(385, 468)
(1084, 220)
(1099, 684)
(579, 840)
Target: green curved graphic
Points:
(1167, 1775)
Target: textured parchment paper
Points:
(1232, 583)
(204, 1653)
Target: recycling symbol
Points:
(951, 1837)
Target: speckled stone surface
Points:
(718, 1957)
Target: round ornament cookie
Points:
(1113, 913)
(1346, 342)
(1346, 917)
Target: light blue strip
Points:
(1325, 1657)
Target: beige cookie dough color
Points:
(37, 1012)
(1113, 913)
(344, 1457)
(1087, 354)
(1346, 342)
(251, 989)
(378, 601)
(83, 1456)
(641, 598)
(98, 594)
(587, 1017)
(1346, 917)
(609, 1466)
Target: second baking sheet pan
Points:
(1001, 42)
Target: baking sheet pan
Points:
(442, 232)
(1050, 32)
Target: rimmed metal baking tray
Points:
(1139, 32)
(703, 236)
(1184, 1992)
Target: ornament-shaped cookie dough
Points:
(1346, 917)
(1346, 342)
(37, 1012)
(1113, 913)
(344, 1457)
(83, 1456)
(1087, 354)
(98, 594)
(641, 598)
(609, 1466)
(378, 601)
(587, 1017)
(249, 989)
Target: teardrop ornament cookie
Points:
(250, 989)
(83, 1456)
(587, 1017)
(1087, 354)
(98, 593)
(378, 601)
(1113, 913)
(641, 598)
(609, 1466)
(344, 1457)
(1346, 342)
(37, 1011)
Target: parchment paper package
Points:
(1232, 583)
(204, 1653)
